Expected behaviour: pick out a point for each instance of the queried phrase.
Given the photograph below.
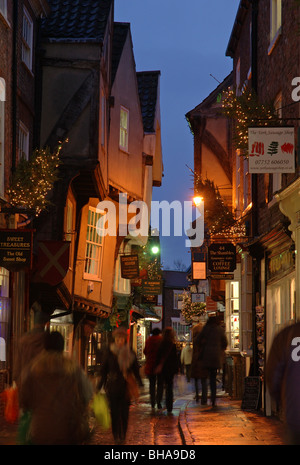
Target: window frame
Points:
(27, 39)
(23, 142)
(275, 22)
(92, 246)
(124, 130)
(3, 8)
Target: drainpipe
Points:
(255, 260)
(14, 85)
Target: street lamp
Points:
(155, 249)
(198, 200)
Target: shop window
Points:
(94, 348)
(94, 244)
(183, 332)
(233, 313)
(66, 330)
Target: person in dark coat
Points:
(167, 364)
(57, 392)
(198, 371)
(212, 344)
(29, 346)
(155, 384)
(119, 362)
(283, 378)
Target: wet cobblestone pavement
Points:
(190, 424)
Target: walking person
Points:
(30, 345)
(186, 360)
(212, 344)
(118, 371)
(198, 371)
(155, 380)
(57, 393)
(167, 364)
(283, 376)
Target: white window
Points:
(3, 8)
(124, 125)
(275, 18)
(23, 151)
(2, 134)
(178, 300)
(94, 244)
(27, 36)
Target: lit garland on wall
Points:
(246, 111)
(218, 218)
(33, 180)
(192, 310)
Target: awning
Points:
(144, 314)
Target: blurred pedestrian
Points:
(186, 360)
(119, 366)
(212, 344)
(283, 378)
(198, 371)
(57, 393)
(167, 364)
(155, 380)
(30, 345)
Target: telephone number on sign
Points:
(272, 162)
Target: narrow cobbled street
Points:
(192, 424)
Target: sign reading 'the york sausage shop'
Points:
(221, 258)
(15, 249)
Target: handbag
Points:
(132, 387)
(101, 409)
(11, 399)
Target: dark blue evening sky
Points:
(187, 42)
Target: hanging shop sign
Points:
(150, 299)
(15, 249)
(199, 270)
(151, 287)
(129, 266)
(221, 258)
(53, 261)
(271, 150)
(280, 263)
(200, 297)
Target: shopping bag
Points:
(11, 401)
(101, 410)
(23, 434)
(132, 387)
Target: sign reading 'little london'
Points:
(15, 249)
